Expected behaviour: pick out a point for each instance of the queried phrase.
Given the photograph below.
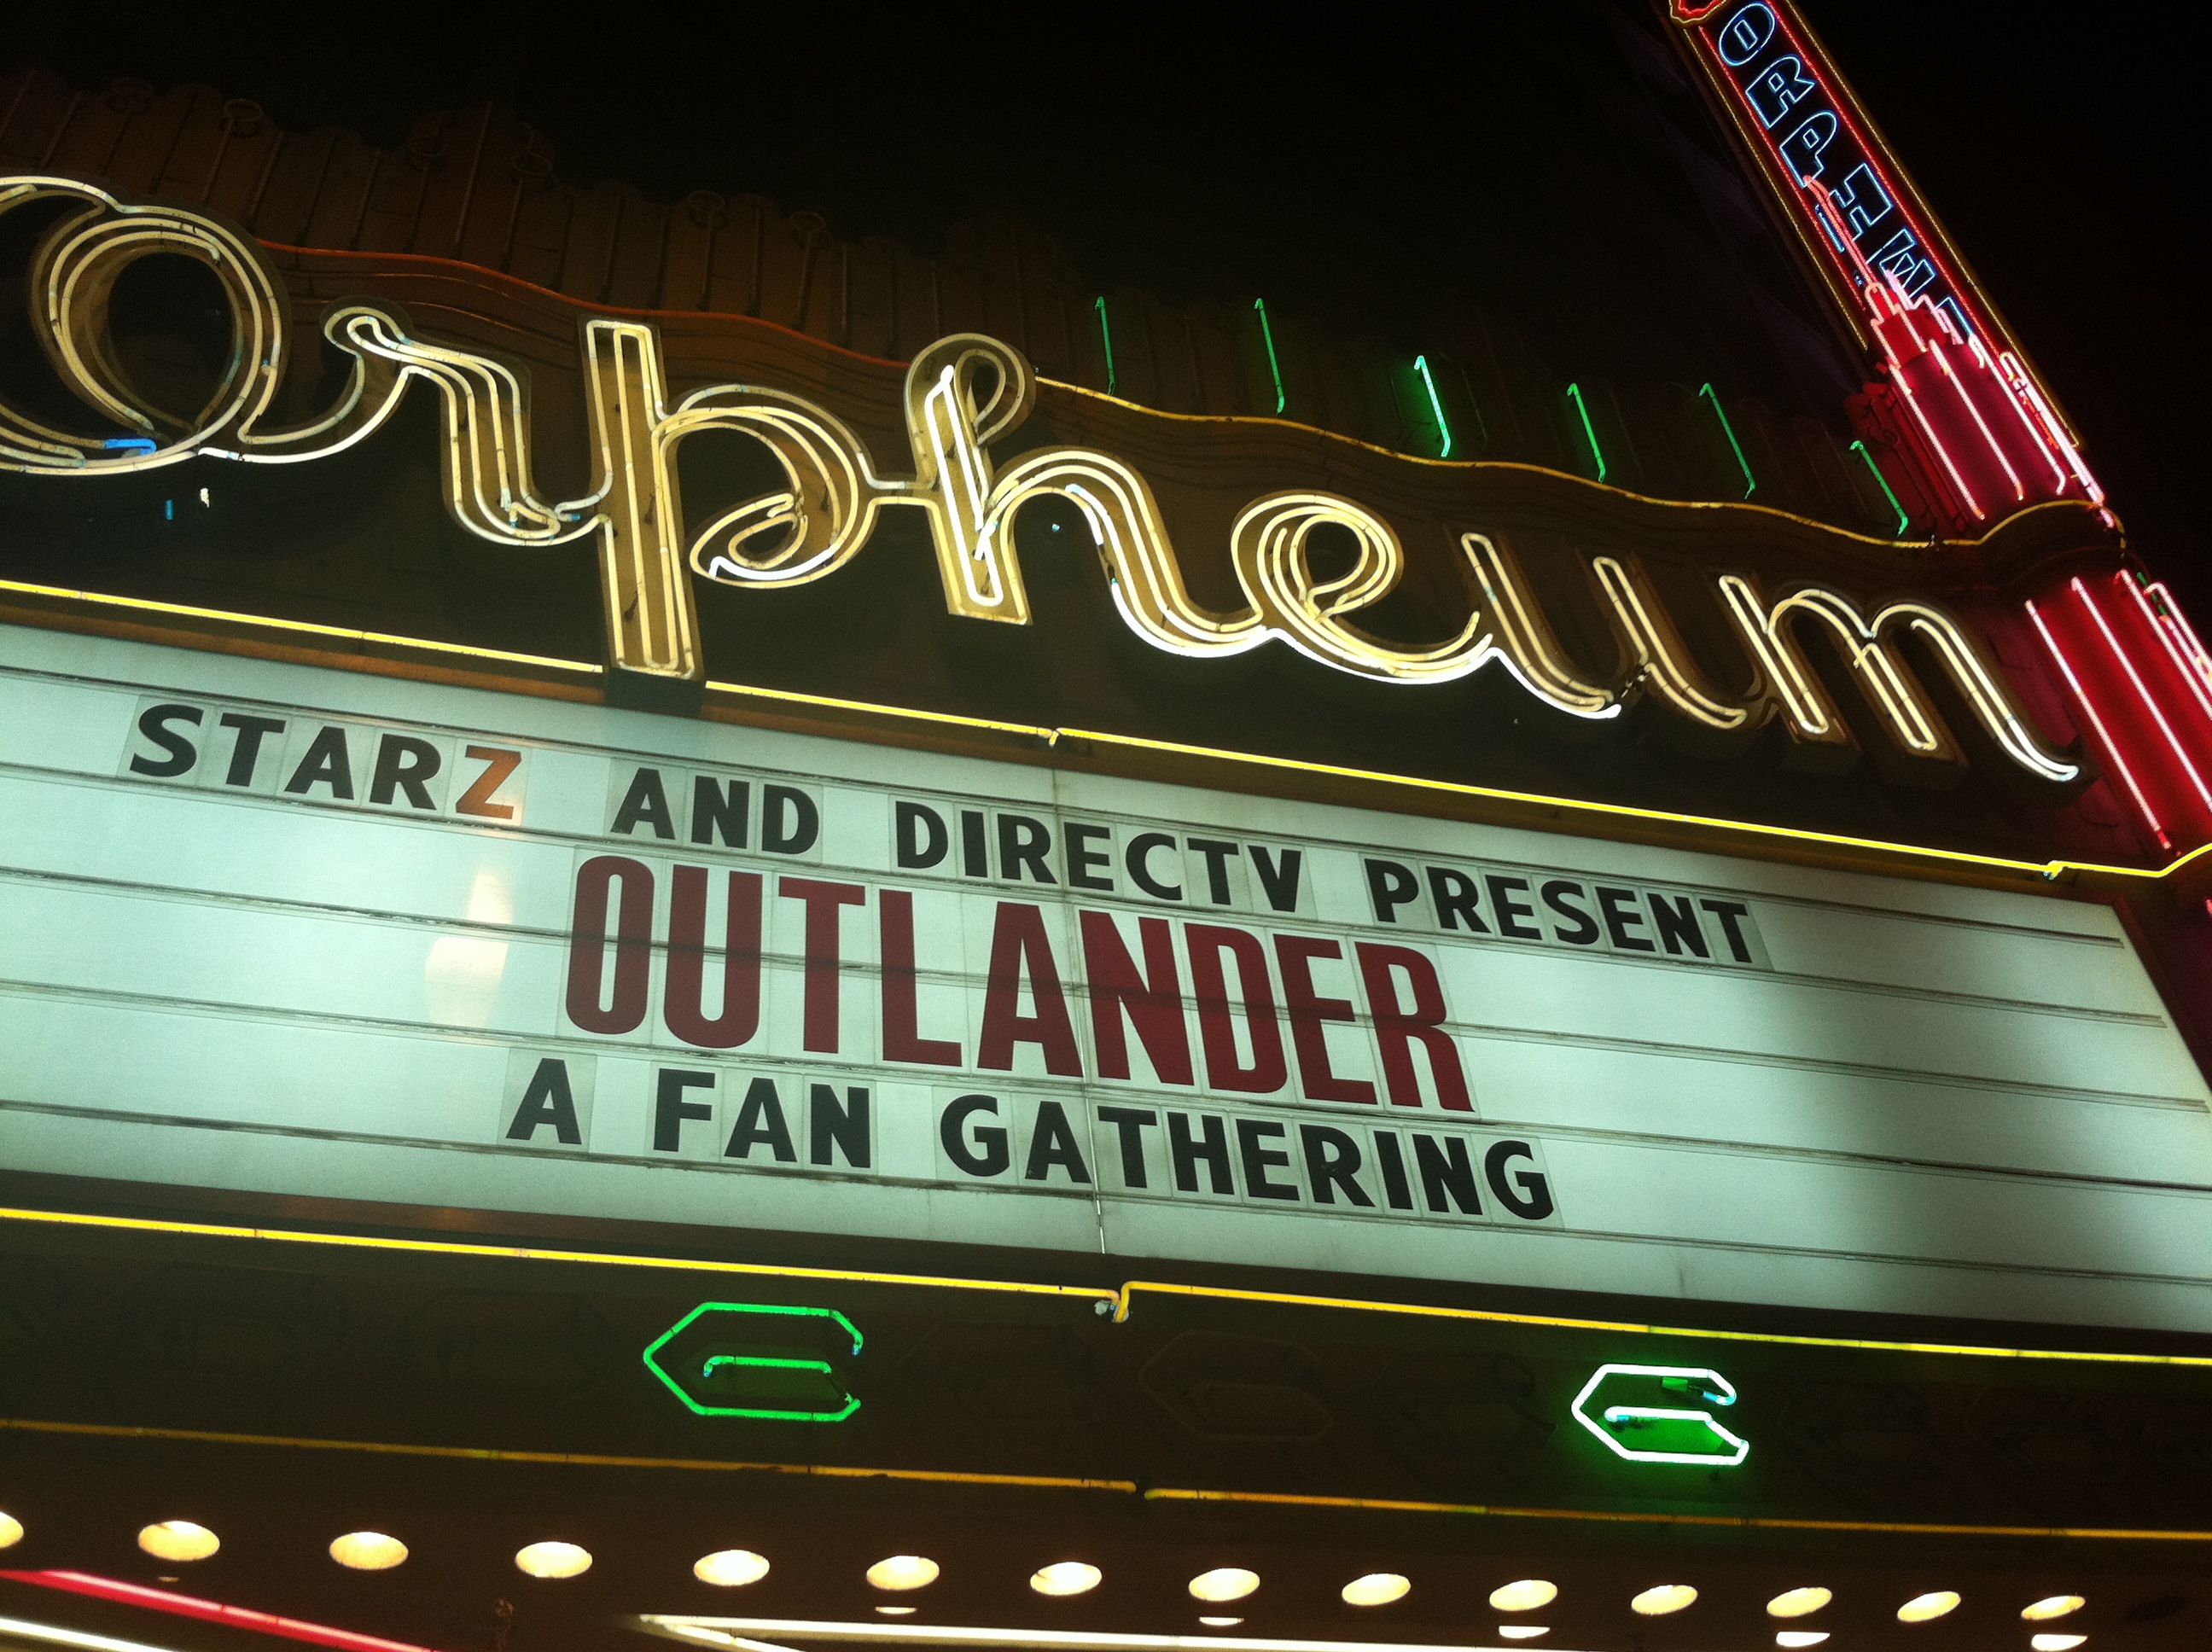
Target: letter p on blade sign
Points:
(1660, 1414)
(760, 1360)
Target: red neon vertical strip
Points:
(2191, 673)
(1989, 438)
(2104, 734)
(212, 1612)
(2142, 693)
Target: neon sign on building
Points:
(1976, 431)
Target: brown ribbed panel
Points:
(343, 201)
(734, 265)
(287, 200)
(1165, 377)
(90, 132)
(140, 139)
(1393, 423)
(43, 116)
(915, 322)
(189, 150)
(19, 98)
(542, 211)
(693, 224)
(395, 197)
(873, 310)
(250, 146)
(594, 216)
(448, 182)
(640, 242)
(784, 266)
(1216, 364)
(487, 216)
(960, 289)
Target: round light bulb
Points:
(11, 1531)
(553, 1559)
(1663, 1598)
(1799, 1603)
(898, 1611)
(1221, 1622)
(178, 1540)
(368, 1551)
(2056, 1642)
(1065, 1577)
(1522, 1631)
(1377, 1589)
(728, 1568)
(1801, 1637)
(1224, 1584)
(2052, 1606)
(1923, 1608)
(904, 1571)
(1524, 1596)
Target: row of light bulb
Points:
(187, 1540)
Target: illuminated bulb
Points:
(2052, 1606)
(728, 1568)
(1524, 1596)
(1662, 1599)
(1225, 1583)
(2056, 1642)
(1797, 1603)
(1922, 1607)
(553, 1559)
(1377, 1589)
(904, 1571)
(1065, 1577)
(178, 1540)
(1522, 1631)
(898, 1611)
(368, 1551)
(1801, 1637)
(11, 1531)
(1221, 1622)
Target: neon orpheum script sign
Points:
(961, 396)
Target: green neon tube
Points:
(1882, 481)
(1750, 481)
(1590, 430)
(1106, 331)
(1274, 367)
(1444, 425)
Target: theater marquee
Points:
(296, 931)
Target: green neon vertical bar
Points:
(1882, 482)
(1444, 425)
(1106, 333)
(1750, 481)
(1590, 430)
(1267, 333)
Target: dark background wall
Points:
(1370, 174)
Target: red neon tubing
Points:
(212, 1612)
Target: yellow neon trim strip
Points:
(1122, 1299)
(1630, 1327)
(569, 1459)
(537, 1253)
(2049, 871)
(1066, 1482)
(102, 599)
(873, 709)
(1757, 1522)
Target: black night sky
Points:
(1365, 173)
